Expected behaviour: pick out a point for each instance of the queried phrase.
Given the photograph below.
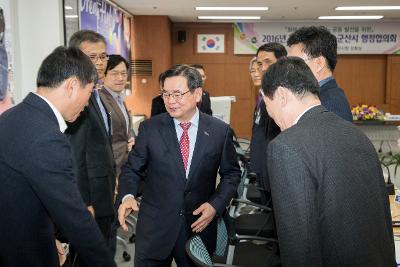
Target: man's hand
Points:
(207, 215)
(91, 210)
(131, 142)
(61, 253)
(127, 206)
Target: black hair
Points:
(85, 36)
(317, 41)
(191, 74)
(64, 63)
(278, 49)
(197, 66)
(291, 73)
(115, 60)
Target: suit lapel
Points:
(204, 133)
(98, 112)
(107, 97)
(168, 134)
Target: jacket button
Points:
(180, 213)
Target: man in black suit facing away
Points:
(178, 154)
(38, 190)
(330, 200)
(90, 137)
(318, 48)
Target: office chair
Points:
(198, 253)
(245, 253)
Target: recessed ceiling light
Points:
(68, 7)
(229, 17)
(232, 8)
(71, 16)
(367, 8)
(350, 17)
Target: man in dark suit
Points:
(330, 200)
(38, 190)
(205, 104)
(179, 153)
(90, 137)
(318, 48)
(264, 128)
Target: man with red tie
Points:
(179, 154)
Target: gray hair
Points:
(254, 59)
(85, 36)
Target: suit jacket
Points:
(38, 190)
(167, 194)
(263, 131)
(157, 104)
(330, 201)
(119, 135)
(333, 99)
(93, 153)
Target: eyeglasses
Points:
(116, 74)
(101, 57)
(175, 95)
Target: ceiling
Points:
(289, 10)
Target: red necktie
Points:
(184, 143)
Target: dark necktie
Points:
(184, 143)
(259, 99)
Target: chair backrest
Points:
(222, 238)
(197, 252)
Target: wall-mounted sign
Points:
(352, 37)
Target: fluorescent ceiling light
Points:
(350, 17)
(229, 17)
(71, 16)
(232, 8)
(68, 7)
(367, 8)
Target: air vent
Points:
(142, 67)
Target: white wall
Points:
(38, 29)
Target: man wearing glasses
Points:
(90, 137)
(179, 154)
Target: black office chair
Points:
(245, 254)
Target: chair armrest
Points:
(258, 238)
(263, 207)
(252, 176)
(224, 265)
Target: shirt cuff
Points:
(126, 196)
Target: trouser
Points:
(178, 254)
(105, 226)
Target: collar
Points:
(324, 81)
(114, 94)
(298, 117)
(194, 120)
(61, 122)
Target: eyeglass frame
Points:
(175, 95)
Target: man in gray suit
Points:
(328, 192)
